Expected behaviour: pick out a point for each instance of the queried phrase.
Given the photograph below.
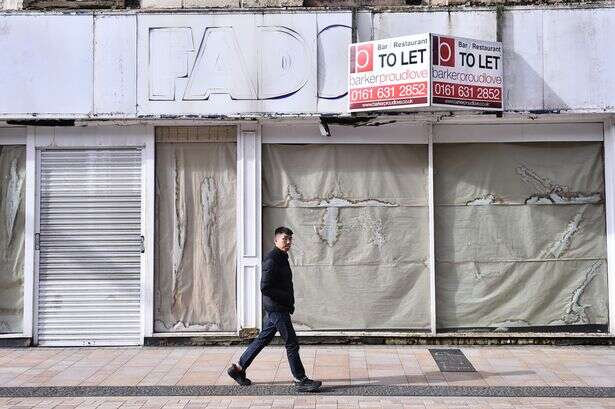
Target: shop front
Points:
(137, 207)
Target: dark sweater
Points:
(277, 282)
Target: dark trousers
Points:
(276, 321)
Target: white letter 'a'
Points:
(219, 68)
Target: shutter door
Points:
(90, 247)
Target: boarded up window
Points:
(12, 223)
(195, 237)
(520, 235)
(359, 214)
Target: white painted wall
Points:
(46, 65)
(115, 65)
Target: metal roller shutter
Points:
(90, 247)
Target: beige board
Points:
(12, 225)
(520, 235)
(195, 237)
(359, 214)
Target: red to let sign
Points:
(389, 74)
(425, 70)
(466, 73)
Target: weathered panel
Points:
(115, 65)
(472, 24)
(195, 266)
(334, 35)
(12, 227)
(46, 64)
(520, 235)
(523, 60)
(579, 53)
(226, 64)
(359, 214)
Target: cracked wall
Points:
(12, 223)
(520, 235)
(195, 237)
(359, 214)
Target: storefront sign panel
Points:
(466, 73)
(389, 74)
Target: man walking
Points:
(279, 303)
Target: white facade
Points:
(274, 76)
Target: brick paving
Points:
(303, 403)
(541, 366)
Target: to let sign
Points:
(425, 70)
(466, 73)
(389, 74)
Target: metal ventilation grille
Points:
(90, 247)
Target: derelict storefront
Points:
(518, 228)
(148, 216)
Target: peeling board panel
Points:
(12, 229)
(516, 173)
(520, 235)
(471, 24)
(47, 64)
(523, 60)
(360, 233)
(579, 54)
(195, 264)
(334, 36)
(115, 65)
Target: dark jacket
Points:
(277, 282)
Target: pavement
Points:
(353, 377)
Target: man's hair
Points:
(283, 230)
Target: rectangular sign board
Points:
(389, 74)
(425, 70)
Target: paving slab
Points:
(353, 376)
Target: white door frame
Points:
(17, 136)
(96, 137)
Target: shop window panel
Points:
(360, 218)
(195, 237)
(12, 224)
(520, 236)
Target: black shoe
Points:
(308, 385)
(238, 375)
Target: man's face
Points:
(283, 241)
